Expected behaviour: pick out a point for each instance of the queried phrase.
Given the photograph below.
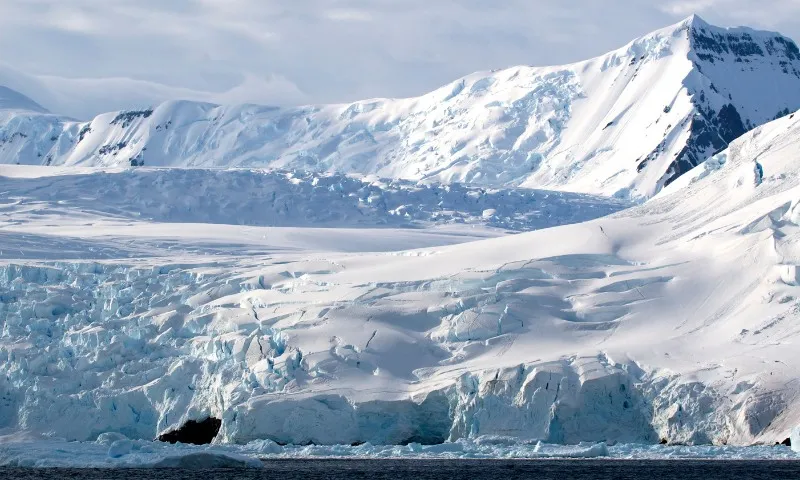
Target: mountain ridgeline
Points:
(626, 123)
(714, 128)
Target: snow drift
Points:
(626, 123)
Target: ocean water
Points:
(310, 469)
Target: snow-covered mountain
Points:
(13, 100)
(626, 123)
(313, 301)
(674, 320)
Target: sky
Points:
(81, 57)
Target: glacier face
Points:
(625, 123)
(670, 321)
(133, 300)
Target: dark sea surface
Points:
(447, 469)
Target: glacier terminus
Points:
(599, 259)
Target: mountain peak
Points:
(625, 123)
(13, 100)
(695, 20)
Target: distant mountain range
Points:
(626, 123)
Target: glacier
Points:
(626, 123)
(671, 321)
(610, 268)
(270, 198)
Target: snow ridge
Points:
(729, 62)
(624, 124)
(11, 100)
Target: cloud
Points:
(83, 98)
(274, 51)
(777, 13)
(345, 15)
(688, 7)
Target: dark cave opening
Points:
(194, 432)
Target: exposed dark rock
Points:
(710, 45)
(787, 442)
(729, 123)
(783, 113)
(194, 432)
(84, 131)
(710, 133)
(112, 149)
(124, 119)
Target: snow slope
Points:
(674, 320)
(625, 123)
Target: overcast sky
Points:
(310, 51)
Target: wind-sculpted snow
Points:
(280, 199)
(626, 123)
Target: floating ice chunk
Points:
(123, 453)
(120, 448)
(108, 438)
(263, 447)
(582, 450)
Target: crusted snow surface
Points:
(671, 321)
(625, 123)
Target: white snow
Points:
(671, 320)
(329, 309)
(613, 125)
